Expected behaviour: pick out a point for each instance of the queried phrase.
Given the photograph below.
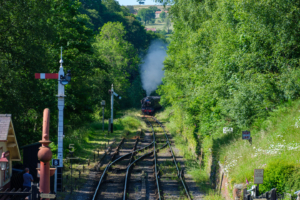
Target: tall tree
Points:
(168, 24)
(162, 16)
(154, 8)
(146, 15)
(131, 9)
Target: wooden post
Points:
(257, 191)
(245, 194)
(108, 126)
(273, 194)
(34, 192)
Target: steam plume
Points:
(152, 68)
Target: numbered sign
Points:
(258, 176)
(48, 196)
(55, 162)
(246, 135)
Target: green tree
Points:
(117, 53)
(146, 15)
(237, 61)
(32, 33)
(154, 8)
(131, 9)
(162, 16)
(168, 24)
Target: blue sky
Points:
(134, 2)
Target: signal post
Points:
(62, 81)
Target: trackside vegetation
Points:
(88, 139)
(236, 64)
(101, 43)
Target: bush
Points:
(158, 21)
(152, 21)
(281, 175)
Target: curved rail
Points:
(128, 168)
(111, 163)
(174, 159)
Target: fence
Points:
(20, 194)
(252, 194)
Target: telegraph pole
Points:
(103, 104)
(112, 93)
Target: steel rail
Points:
(128, 168)
(111, 163)
(154, 151)
(179, 174)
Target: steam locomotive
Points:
(150, 105)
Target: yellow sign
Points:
(48, 196)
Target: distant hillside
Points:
(147, 6)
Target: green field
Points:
(158, 26)
(147, 6)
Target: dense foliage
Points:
(146, 15)
(231, 61)
(101, 42)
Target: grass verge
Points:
(198, 172)
(275, 148)
(87, 141)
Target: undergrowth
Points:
(275, 147)
(89, 139)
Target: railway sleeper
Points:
(118, 171)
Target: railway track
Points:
(140, 174)
(171, 176)
(112, 184)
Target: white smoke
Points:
(152, 67)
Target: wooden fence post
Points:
(34, 192)
(245, 194)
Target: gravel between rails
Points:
(87, 191)
(191, 184)
(141, 182)
(112, 186)
(170, 184)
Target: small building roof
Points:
(151, 29)
(158, 12)
(4, 126)
(7, 134)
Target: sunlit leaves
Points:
(233, 60)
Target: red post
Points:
(45, 155)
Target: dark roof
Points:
(29, 145)
(4, 125)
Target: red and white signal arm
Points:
(46, 76)
(246, 135)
